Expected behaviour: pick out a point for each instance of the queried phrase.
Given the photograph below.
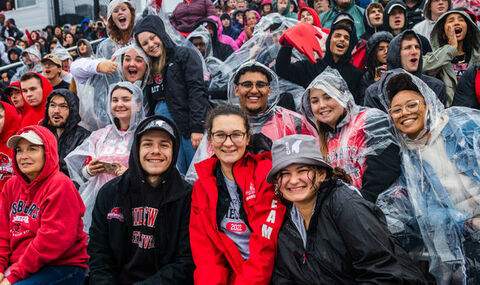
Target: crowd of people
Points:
(244, 141)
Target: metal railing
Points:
(17, 64)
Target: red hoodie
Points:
(34, 115)
(218, 260)
(41, 221)
(10, 127)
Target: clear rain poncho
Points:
(263, 47)
(108, 144)
(438, 195)
(34, 56)
(361, 132)
(94, 93)
(272, 124)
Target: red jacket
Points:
(217, 258)
(10, 127)
(34, 115)
(41, 221)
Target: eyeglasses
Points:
(249, 84)
(220, 137)
(410, 107)
(60, 106)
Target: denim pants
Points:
(186, 150)
(56, 275)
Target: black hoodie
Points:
(73, 135)
(140, 232)
(303, 72)
(425, 43)
(220, 50)
(373, 93)
(183, 86)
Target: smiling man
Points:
(151, 203)
(62, 118)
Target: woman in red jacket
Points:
(235, 216)
(41, 230)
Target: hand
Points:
(475, 223)
(120, 169)
(94, 168)
(1, 276)
(452, 38)
(5, 282)
(107, 66)
(249, 31)
(196, 138)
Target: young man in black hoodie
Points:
(339, 46)
(140, 221)
(62, 118)
(220, 50)
(404, 51)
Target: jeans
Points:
(56, 275)
(186, 150)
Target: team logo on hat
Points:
(295, 147)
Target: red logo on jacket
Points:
(115, 213)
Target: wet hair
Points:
(252, 68)
(226, 110)
(343, 26)
(30, 75)
(118, 35)
(398, 83)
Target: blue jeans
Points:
(186, 150)
(56, 275)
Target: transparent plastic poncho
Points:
(438, 193)
(272, 124)
(94, 93)
(262, 47)
(108, 144)
(361, 132)
(35, 66)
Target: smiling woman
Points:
(240, 234)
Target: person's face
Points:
(121, 16)
(253, 90)
(326, 109)
(239, 17)
(155, 152)
(121, 104)
(226, 23)
(151, 44)
(438, 7)
(58, 111)
(32, 91)
(410, 54)
(408, 112)
(22, 44)
(82, 48)
(68, 39)
(382, 51)
(30, 158)
(396, 20)
(251, 19)
(66, 65)
(458, 23)
(10, 42)
(2, 118)
(16, 98)
(34, 36)
(228, 138)
(58, 31)
(51, 70)
(267, 8)
(134, 66)
(200, 45)
(320, 6)
(343, 3)
(375, 17)
(231, 4)
(241, 4)
(339, 42)
(13, 56)
(282, 5)
(306, 17)
(297, 183)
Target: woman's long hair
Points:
(117, 35)
(469, 42)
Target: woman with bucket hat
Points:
(330, 233)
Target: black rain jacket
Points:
(465, 94)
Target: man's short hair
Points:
(252, 68)
(400, 82)
(410, 36)
(30, 75)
